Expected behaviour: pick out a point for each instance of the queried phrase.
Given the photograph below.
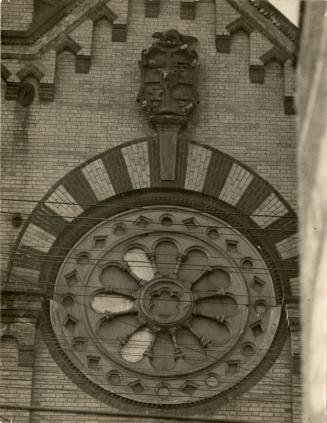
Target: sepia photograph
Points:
(163, 211)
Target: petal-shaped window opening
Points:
(166, 257)
(113, 303)
(139, 263)
(223, 305)
(193, 265)
(136, 346)
(117, 278)
(213, 281)
(163, 353)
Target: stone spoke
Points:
(180, 258)
(152, 258)
(206, 270)
(108, 315)
(109, 290)
(149, 351)
(178, 351)
(204, 296)
(126, 267)
(204, 341)
(124, 339)
(219, 318)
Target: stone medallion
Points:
(164, 306)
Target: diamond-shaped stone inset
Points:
(232, 246)
(257, 284)
(137, 386)
(233, 367)
(191, 224)
(189, 387)
(142, 221)
(70, 323)
(72, 278)
(99, 242)
(93, 362)
(257, 328)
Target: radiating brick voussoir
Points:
(136, 166)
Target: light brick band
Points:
(136, 157)
(269, 211)
(37, 238)
(62, 203)
(235, 185)
(98, 178)
(197, 166)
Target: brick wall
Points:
(95, 111)
(16, 15)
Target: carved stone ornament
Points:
(161, 312)
(169, 72)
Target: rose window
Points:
(168, 306)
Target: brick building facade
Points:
(78, 151)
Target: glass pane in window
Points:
(139, 263)
(113, 303)
(136, 346)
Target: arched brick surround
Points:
(135, 166)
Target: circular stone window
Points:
(164, 314)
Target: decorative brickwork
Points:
(134, 166)
(197, 166)
(98, 178)
(288, 247)
(269, 211)
(62, 203)
(37, 238)
(137, 162)
(83, 151)
(235, 185)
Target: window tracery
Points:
(164, 314)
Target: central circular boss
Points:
(165, 302)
